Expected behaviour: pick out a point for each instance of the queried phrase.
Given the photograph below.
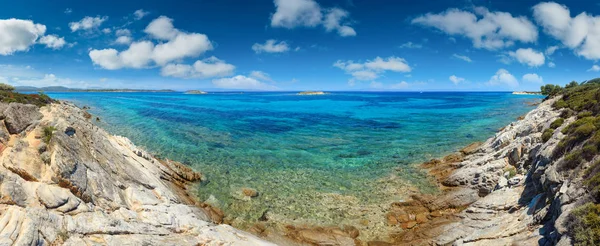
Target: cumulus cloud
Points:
(372, 69)
(410, 45)
(533, 78)
(139, 14)
(271, 46)
(68, 11)
(53, 41)
(528, 56)
(19, 35)
(461, 57)
(456, 80)
(162, 28)
(141, 54)
(594, 68)
(260, 75)
(241, 82)
(87, 23)
(503, 77)
(333, 21)
(579, 33)
(123, 32)
(551, 64)
(207, 68)
(308, 13)
(123, 40)
(488, 30)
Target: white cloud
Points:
(528, 56)
(410, 45)
(241, 82)
(68, 11)
(106, 30)
(401, 85)
(19, 35)
(123, 32)
(141, 54)
(293, 13)
(207, 68)
(307, 13)
(456, 80)
(48, 80)
(533, 78)
(580, 33)
(488, 30)
(139, 14)
(162, 28)
(87, 23)
(551, 64)
(503, 77)
(372, 69)
(271, 46)
(595, 68)
(333, 21)
(123, 40)
(52, 41)
(550, 50)
(461, 57)
(260, 76)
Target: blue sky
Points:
(300, 44)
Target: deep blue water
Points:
(298, 151)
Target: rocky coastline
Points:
(65, 181)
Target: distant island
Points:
(306, 93)
(66, 89)
(196, 92)
(526, 93)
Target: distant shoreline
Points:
(527, 93)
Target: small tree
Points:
(572, 84)
(550, 90)
(6, 87)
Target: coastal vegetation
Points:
(196, 92)
(578, 149)
(308, 93)
(9, 95)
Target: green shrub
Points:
(584, 114)
(48, 133)
(589, 151)
(557, 123)
(551, 90)
(560, 104)
(584, 224)
(584, 130)
(6, 87)
(572, 160)
(571, 84)
(547, 135)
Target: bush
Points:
(572, 160)
(557, 123)
(584, 130)
(571, 84)
(584, 224)
(547, 135)
(584, 114)
(48, 133)
(6, 87)
(551, 90)
(589, 151)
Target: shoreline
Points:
(297, 232)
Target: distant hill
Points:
(66, 89)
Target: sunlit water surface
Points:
(314, 159)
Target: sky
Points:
(294, 45)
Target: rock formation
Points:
(64, 181)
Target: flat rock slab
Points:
(20, 116)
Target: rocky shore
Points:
(64, 181)
(505, 191)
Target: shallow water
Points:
(328, 159)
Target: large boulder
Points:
(19, 116)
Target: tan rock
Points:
(249, 192)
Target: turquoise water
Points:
(314, 159)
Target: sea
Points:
(332, 159)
